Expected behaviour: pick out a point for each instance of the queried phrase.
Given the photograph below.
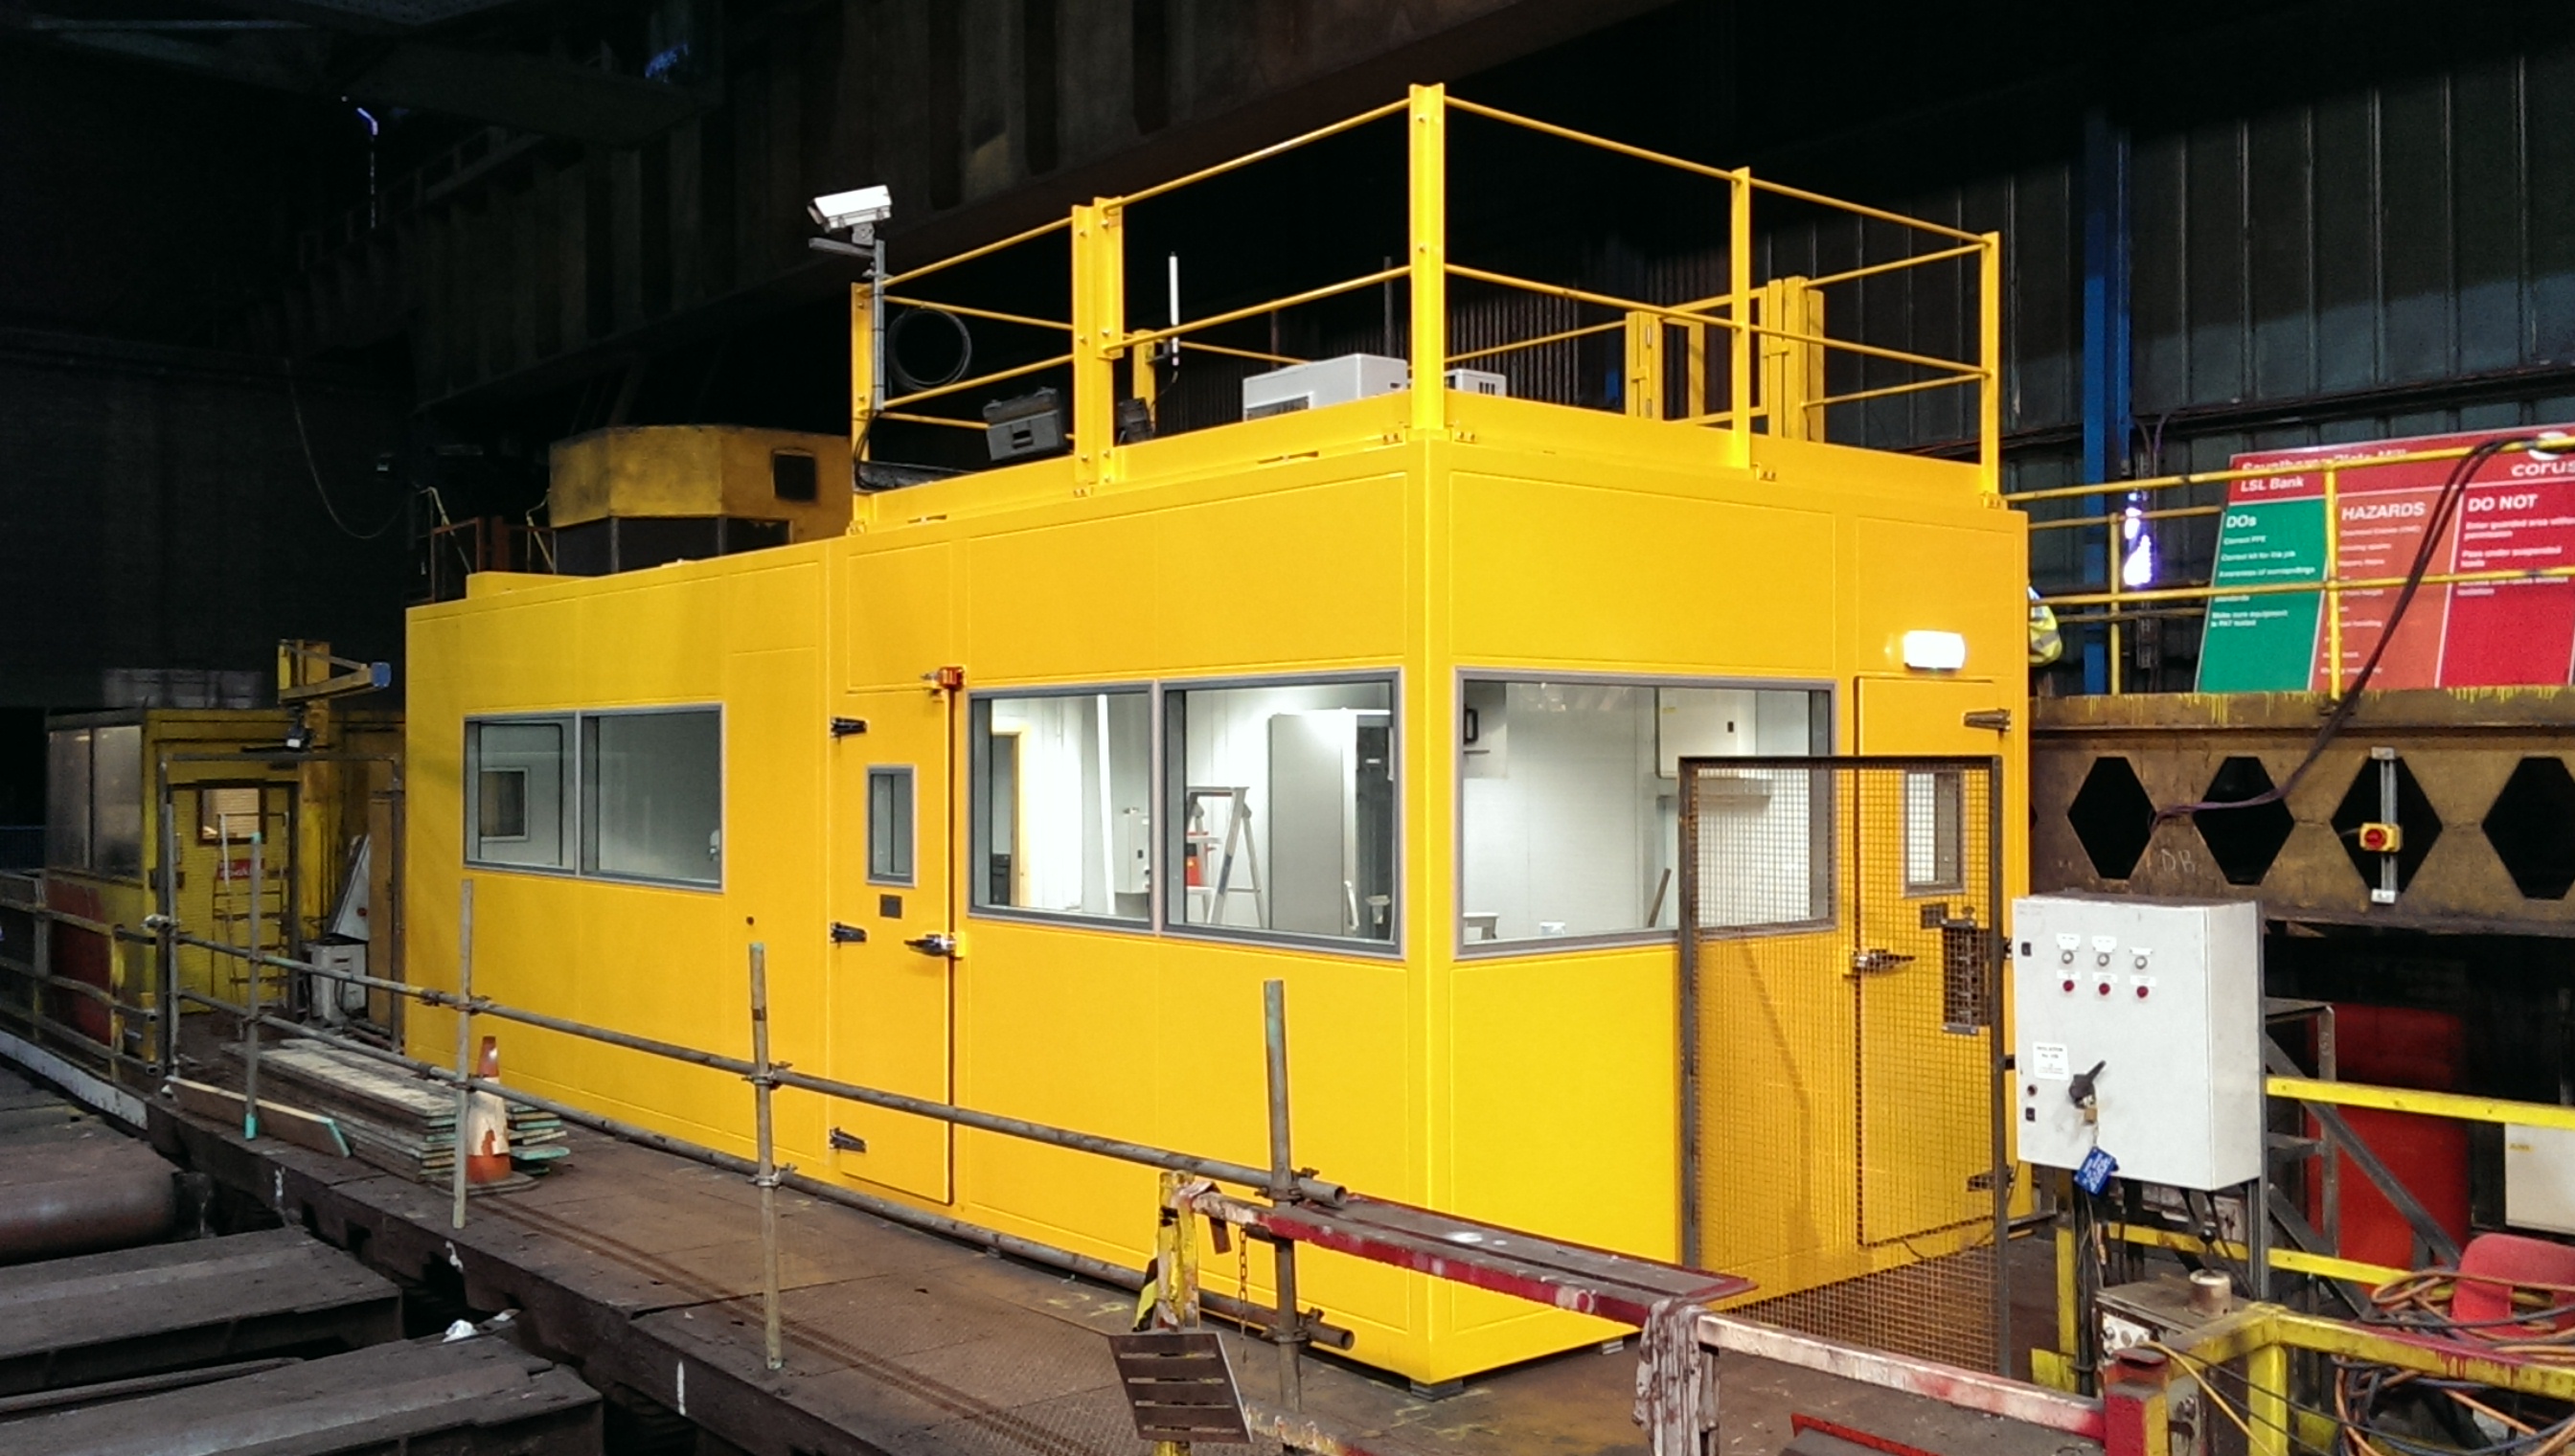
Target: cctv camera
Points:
(860, 207)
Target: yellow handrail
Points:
(1175, 331)
(1894, 264)
(1642, 154)
(1101, 345)
(1559, 337)
(996, 377)
(996, 314)
(971, 253)
(1347, 123)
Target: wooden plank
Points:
(291, 1124)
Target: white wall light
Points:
(1935, 651)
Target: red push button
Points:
(2070, 985)
(2105, 988)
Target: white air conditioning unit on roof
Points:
(1328, 382)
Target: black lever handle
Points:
(2079, 1090)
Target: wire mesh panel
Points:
(1840, 1060)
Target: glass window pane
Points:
(225, 814)
(517, 804)
(652, 796)
(1063, 803)
(1570, 804)
(115, 799)
(1934, 805)
(889, 825)
(1283, 799)
(67, 799)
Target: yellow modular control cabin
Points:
(1384, 699)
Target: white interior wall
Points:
(1570, 817)
(1228, 745)
(1059, 790)
(540, 750)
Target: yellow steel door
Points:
(1921, 959)
(892, 982)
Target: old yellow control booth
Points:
(1380, 697)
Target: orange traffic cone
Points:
(486, 1133)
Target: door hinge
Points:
(843, 727)
(847, 935)
(934, 943)
(847, 1141)
(1993, 719)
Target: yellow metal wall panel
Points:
(1542, 1153)
(1917, 575)
(897, 607)
(1551, 572)
(1071, 602)
(1313, 574)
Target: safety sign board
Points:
(2517, 513)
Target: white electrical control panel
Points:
(2539, 1177)
(2153, 1007)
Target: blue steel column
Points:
(2106, 359)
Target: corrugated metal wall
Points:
(163, 522)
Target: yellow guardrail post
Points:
(1694, 339)
(2266, 1382)
(1792, 369)
(1099, 334)
(1644, 391)
(1429, 226)
(2334, 565)
(1739, 311)
(1989, 355)
(1143, 357)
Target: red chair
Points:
(2508, 1259)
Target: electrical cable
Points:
(2452, 490)
(295, 400)
(910, 383)
(2206, 1371)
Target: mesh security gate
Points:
(1841, 1141)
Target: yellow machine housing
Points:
(691, 470)
(1425, 538)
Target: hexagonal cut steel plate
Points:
(1179, 1386)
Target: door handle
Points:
(935, 942)
(1875, 962)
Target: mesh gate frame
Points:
(1842, 773)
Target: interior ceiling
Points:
(414, 54)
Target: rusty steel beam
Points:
(2459, 747)
(1957, 1385)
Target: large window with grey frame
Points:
(1568, 795)
(1279, 800)
(1062, 807)
(635, 795)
